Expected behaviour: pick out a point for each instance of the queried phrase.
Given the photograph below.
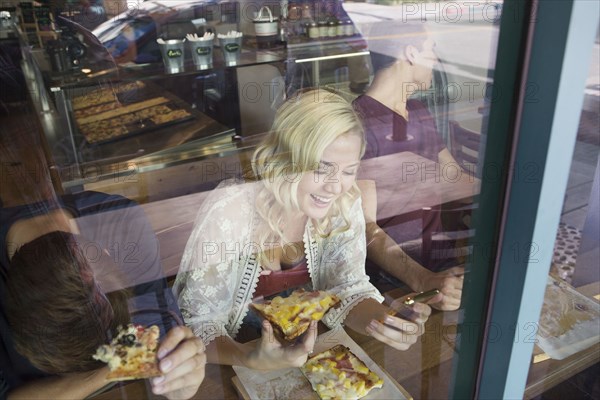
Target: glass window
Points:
(426, 119)
(329, 146)
(570, 302)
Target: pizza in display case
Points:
(115, 112)
(568, 322)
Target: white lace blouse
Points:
(219, 271)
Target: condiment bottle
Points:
(341, 30)
(323, 30)
(313, 30)
(331, 28)
(348, 27)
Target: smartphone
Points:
(422, 297)
(404, 310)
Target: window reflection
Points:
(572, 291)
(419, 95)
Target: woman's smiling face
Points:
(339, 164)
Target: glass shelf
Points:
(207, 135)
(298, 51)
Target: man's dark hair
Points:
(58, 314)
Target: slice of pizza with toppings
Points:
(339, 374)
(291, 316)
(131, 354)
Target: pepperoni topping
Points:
(344, 364)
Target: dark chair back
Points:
(464, 144)
(450, 243)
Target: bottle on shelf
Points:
(283, 33)
(308, 26)
(341, 30)
(332, 24)
(283, 9)
(323, 30)
(313, 30)
(307, 11)
(348, 27)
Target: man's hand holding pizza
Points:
(181, 360)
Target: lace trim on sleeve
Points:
(336, 316)
(248, 284)
(311, 249)
(205, 331)
(248, 281)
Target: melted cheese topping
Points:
(337, 373)
(132, 346)
(298, 307)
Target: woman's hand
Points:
(182, 360)
(400, 333)
(450, 284)
(271, 354)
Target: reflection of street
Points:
(466, 47)
(466, 35)
(451, 11)
(591, 101)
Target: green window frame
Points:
(544, 51)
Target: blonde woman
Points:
(297, 223)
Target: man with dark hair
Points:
(63, 291)
(71, 271)
(403, 58)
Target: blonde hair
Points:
(303, 128)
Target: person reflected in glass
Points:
(73, 269)
(395, 121)
(296, 218)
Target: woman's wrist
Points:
(419, 277)
(226, 351)
(249, 358)
(246, 355)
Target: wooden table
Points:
(425, 370)
(405, 183)
(409, 368)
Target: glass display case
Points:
(116, 108)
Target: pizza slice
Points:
(291, 316)
(339, 374)
(131, 354)
(93, 110)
